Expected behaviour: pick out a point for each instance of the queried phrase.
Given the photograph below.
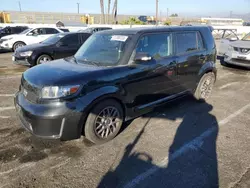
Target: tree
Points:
(174, 15)
(132, 21)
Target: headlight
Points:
(230, 48)
(53, 92)
(8, 38)
(25, 54)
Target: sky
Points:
(135, 7)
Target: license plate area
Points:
(241, 57)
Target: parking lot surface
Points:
(182, 144)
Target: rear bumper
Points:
(57, 120)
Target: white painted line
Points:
(9, 77)
(17, 168)
(5, 117)
(7, 108)
(229, 84)
(194, 144)
(7, 95)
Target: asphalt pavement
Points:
(182, 144)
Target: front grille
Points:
(32, 92)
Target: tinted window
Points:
(156, 45)
(186, 42)
(53, 39)
(200, 41)
(70, 40)
(38, 31)
(84, 36)
(51, 31)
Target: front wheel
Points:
(104, 121)
(18, 45)
(43, 59)
(205, 87)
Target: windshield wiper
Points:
(96, 63)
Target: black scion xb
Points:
(115, 76)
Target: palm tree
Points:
(102, 12)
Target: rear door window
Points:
(70, 40)
(84, 37)
(51, 31)
(188, 42)
(156, 45)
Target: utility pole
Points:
(20, 8)
(167, 12)
(78, 7)
(156, 15)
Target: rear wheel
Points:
(104, 121)
(43, 59)
(18, 45)
(205, 87)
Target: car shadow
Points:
(190, 161)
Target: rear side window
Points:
(84, 36)
(188, 42)
(70, 40)
(156, 45)
(51, 31)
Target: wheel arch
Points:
(111, 94)
(17, 42)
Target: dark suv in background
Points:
(115, 76)
(55, 47)
(9, 30)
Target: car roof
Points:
(131, 31)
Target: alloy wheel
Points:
(106, 122)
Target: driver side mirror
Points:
(142, 56)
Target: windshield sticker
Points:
(121, 38)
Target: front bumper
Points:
(238, 62)
(21, 60)
(5, 45)
(57, 120)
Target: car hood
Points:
(32, 47)
(241, 44)
(62, 72)
(11, 36)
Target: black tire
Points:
(97, 125)
(205, 86)
(45, 58)
(18, 45)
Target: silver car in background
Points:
(238, 52)
(223, 37)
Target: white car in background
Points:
(29, 36)
(223, 38)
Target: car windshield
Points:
(246, 37)
(53, 39)
(26, 31)
(103, 49)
